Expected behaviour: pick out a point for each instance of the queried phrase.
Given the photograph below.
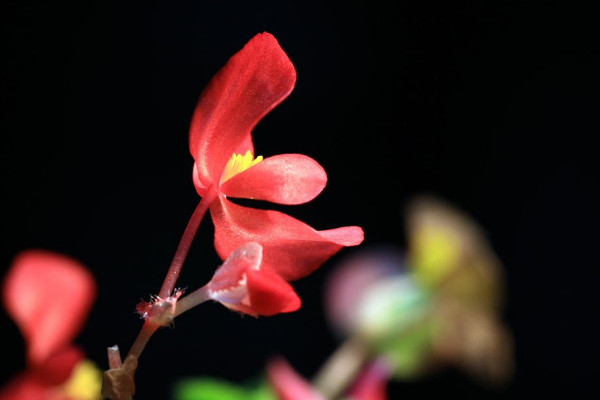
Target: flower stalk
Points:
(263, 250)
(185, 243)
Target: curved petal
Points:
(246, 257)
(245, 146)
(291, 249)
(252, 83)
(270, 294)
(49, 296)
(288, 384)
(200, 188)
(283, 179)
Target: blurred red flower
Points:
(49, 296)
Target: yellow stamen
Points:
(238, 163)
(85, 382)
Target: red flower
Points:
(48, 296)
(241, 284)
(253, 82)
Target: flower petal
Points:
(284, 179)
(288, 384)
(246, 145)
(246, 257)
(57, 368)
(252, 83)
(291, 249)
(49, 296)
(269, 294)
(24, 387)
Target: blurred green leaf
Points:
(208, 389)
(410, 350)
(216, 389)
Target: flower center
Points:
(238, 163)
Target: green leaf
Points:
(409, 351)
(209, 389)
(217, 389)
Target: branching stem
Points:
(191, 300)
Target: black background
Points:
(491, 105)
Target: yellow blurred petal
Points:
(85, 382)
(449, 254)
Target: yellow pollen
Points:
(238, 163)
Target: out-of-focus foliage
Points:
(216, 389)
(450, 255)
(439, 304)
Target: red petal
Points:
(270, 294)
(246, 145)
(291, 249)
(24, 387)
(288, 384)
(252, 83)
(284, 179)
(58, 367)
(49, 296)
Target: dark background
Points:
(491, 105)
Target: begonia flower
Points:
(251, 84)
(49, 296)
(241, 284)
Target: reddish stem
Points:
(185, 243)
(114, 357)
(143, 337)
